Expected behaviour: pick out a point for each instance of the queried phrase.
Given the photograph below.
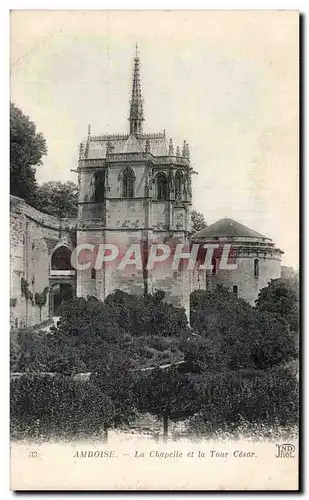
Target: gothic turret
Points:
(136, 103)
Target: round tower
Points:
(252, 259)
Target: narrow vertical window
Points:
(93, 274)
(214, 263)
(178, 185)
(99, 186)
(128, 183)
(235, 290)
(162, 191)
(256, 268)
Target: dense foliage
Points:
(141, 357)
(146, 330)
(27, 147)
(232, 335)
(49, 406)
(281, 297)
(230, 399)
(57, 198)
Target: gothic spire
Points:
(136, 103)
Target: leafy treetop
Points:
(27, 147)
(281, 296)
(58, 198)
(232, 335)
(198, 221)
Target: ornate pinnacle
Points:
(81, 150)
(171, 148)
(184, 149)
(136, 103)
(187, 155)
(177, 152)
(147, 146)
(89, 130)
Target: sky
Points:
(225, 81)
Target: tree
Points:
(167, 394)
(232, 335)
(40, 299)
(26, 150)
(198, 221)
(58, 198)
(115, 378)
(86, 330)
(148, 315)
(281, 296)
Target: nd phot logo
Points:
(285, 450)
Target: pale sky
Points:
(226, 81)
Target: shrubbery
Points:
(90, 330)
(228, 400)
(232, 335)
(238, 370)
(49, 406)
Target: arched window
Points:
(93, 274)
(161, 184)
(235, 290)
(128, 179)
(178, 184)
(99, 186)
(256, 268)
(61, 259)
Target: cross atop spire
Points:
(136, 103)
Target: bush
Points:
(45, 352)
(57, 406)
(231, 399)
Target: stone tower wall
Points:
(243, 276)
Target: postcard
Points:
(154, 217)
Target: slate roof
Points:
(228, 228)
(97, 145)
